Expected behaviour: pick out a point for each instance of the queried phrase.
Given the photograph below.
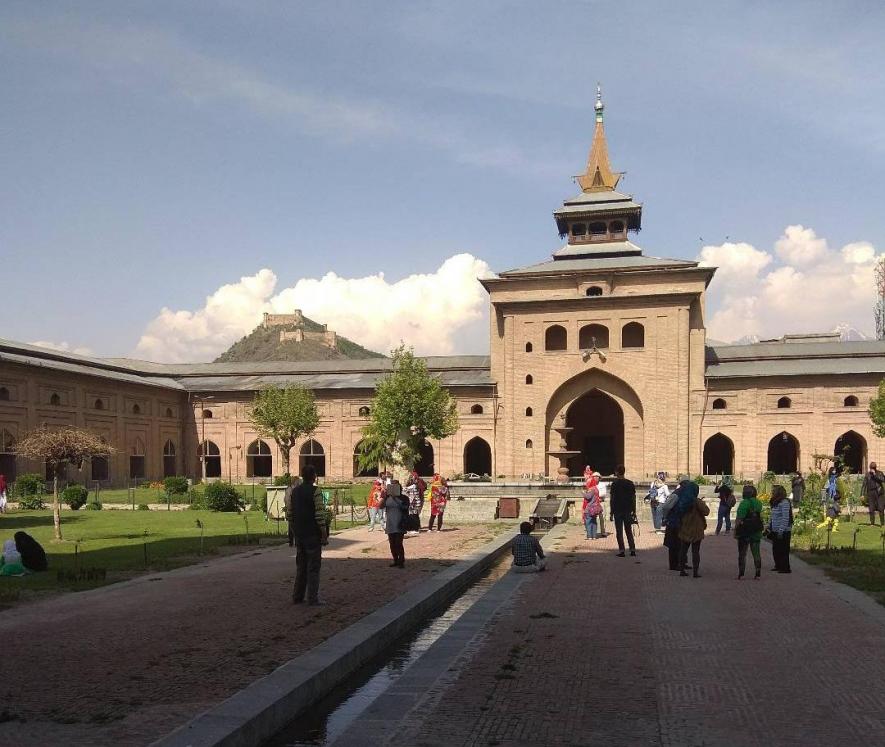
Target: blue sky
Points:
(154, 152)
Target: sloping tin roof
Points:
(614, 262)
(601, 247)
(795, 359)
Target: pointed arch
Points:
(426, 465)
(783, 454)
(169, 461)
(211, 457)
(259, 459)
(477, 456)
(136, 459)
(851, 449)
(357, 471)
(312, 452)
(7, 455)
(718, 456)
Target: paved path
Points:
(127, 663)
(601, 650)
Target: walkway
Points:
(602, 650)
(127, 663)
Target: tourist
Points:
(439, 496)
(670, 516)
(873, 490)
(780, 527)
(592, 507)
(622, 508)
(373, 505)
(691, 526)
(413, 519)
(748, 530)
(32, 552)
(528, 555)
(396, 509)
(3, 497)
(311, 532)
(726, 503)
(294, 482)
(658, 492)
(12, 560)
(798, 488)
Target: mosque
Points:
(597, 356)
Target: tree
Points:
(877, 411)
(409, 406)
(59, 447)
(285, 415)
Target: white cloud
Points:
(62, 347)
(438, 313)
(803, 286)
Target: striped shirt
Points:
(525, 548)
(780, 517)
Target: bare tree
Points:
(59, 447)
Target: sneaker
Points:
(621, 555)
(372, 529)
(632, 553)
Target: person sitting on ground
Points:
(623, 509)
(12, 560)
(691, 527)
(32, 552)
(748, 530)
(726, 503)
(528, 555)
(780, 528)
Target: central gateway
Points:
(598, 353)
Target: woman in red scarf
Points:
(439, 496)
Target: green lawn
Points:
(863, 568)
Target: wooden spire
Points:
(599, 176)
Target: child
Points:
(528, 555)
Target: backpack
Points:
(730, 501)
(752, 524)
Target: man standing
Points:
(294, 482)
(623, 509)
(872, 488)
(311, 532)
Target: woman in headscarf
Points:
(439, 496)
(673, 509)
(592, 506)
(373, 504)
(412, 525)
(691, 526)
(396, 509)
(12, 560)
(780, 528)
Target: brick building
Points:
(597, 356)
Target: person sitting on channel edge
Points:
(623, 509)
(311, 532)
(528, 555)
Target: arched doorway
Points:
(7, 455)
(718, 456)
(598, 423)
(211, 457)
(368, 471)
(851, 449)
(783, 454)
(477, 457)
(259, 460)
(313, 453)
(169, 458)
(136, 460)
(425, 465)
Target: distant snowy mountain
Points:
(847, 333)
(746, 340)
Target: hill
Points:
(293, 337)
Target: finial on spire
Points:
(599, 106)
(598, 177)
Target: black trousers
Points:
(674, 547)
(291, 533)
(396, 548)
(623, 524)
(439, 521)
(695, 555)
(308, 558)
(780, 549)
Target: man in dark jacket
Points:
(311, 533)
(623, 509)
(872, 488)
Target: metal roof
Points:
(596, 207)
(584, 198)
(795, 359)
(602, 247)
(586, 264)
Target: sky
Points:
(172, 170)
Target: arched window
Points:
(7, 455)
(593, 335)
(784, 403)
(169, 459)
(477, 457)
(476, 410)
(55, 399)
(211, 458)
(136, 409)
(98, 405)
(364, 412)
(259, 461)
(719, 404)
(136, 460)
(4, 394)
(207, 414)
(357, 470)
(529, 379)
(169, 413)
(579, 229)
(556, 338)
(528, 412)
(312, 452)
(529, 444)
(850, 401)
(633, 335)
(783, 454)
(616, 227)
(598, 229)
(528, 347)
(718, 455)
(426, 465)
(851, 451)
(593, 290)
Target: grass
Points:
(102, 547)
(863, 567)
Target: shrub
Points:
(222, 496)
(197, 500)
(28, 484)
(93, 506)
(282, 480)
(175, 485)
(75, 496)
(31, 503)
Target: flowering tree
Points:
(59, 447)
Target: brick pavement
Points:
(127, 663)
(602, 650)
